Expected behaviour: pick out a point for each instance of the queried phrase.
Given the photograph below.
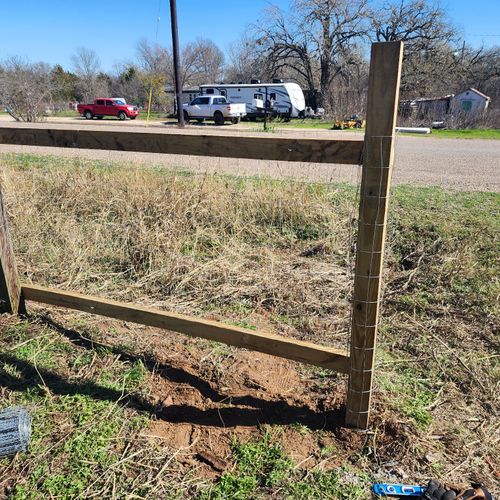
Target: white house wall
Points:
(478, 103)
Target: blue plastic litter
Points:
(385, 490)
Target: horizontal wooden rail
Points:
(258, 148)
(305, 352)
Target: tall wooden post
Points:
(10, 290)
(383, 91)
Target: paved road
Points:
(470, 164)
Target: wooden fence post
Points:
(10, 290)
(383, 91)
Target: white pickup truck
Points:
(214, 107)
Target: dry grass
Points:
(261, 252)
(198, 243)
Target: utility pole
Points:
(177, 73)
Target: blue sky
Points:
(51, 30)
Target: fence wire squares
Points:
(265, 250)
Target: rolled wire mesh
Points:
(15, 430)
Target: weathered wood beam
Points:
(10, 291)
(257, 148)
(305, 352)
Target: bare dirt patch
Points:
(203, 396)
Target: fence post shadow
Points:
(245, 410)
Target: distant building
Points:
(470, 101)
(435, 108)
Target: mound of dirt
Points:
(206, 396)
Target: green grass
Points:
(320, 124)
(468, 134)
(80, 432)
(65, 114)
(86, 449)
(297, 123)
(462, 134)
(262, 466)
(468, 235)
(154, 116)
(317, 124)
(412, 390)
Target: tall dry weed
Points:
(192, 242)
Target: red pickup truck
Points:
(108, 107)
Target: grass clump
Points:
(260, 464)
(411, 393)
(84, 437)
(85, 452)
(262, 469)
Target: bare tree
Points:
(154, 58)
(202, 62)
(428, 35)
(87, 67)
(420, 23)
(245, 61)
(480, 68)
(348, 90)
(156, 64)
(316, 41)
(26, 89)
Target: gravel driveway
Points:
(465, 164)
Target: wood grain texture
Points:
(258, 148)
(10, 291)
(383, 93)
(305, 352)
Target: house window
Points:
(466, 105)
(210, 91)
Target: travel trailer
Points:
(280, 99)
